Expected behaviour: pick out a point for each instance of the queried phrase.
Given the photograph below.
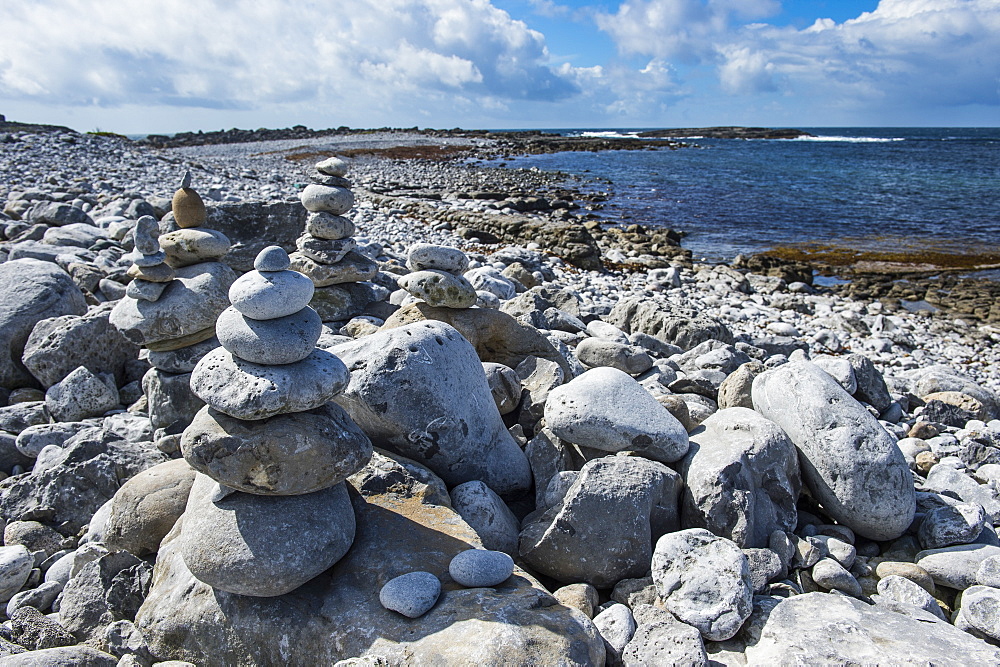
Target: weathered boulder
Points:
(670, 325)
(30, 291)
(403, 525)
(105, 590)
(146, 507)
(741, 478)
(252, 226)
(420, 390)
(849, 462)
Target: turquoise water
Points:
(870, 188)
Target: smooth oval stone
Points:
(281, 340)
(607, 409)
(185, 247)
(423, 256)
(271, 258)
(477, 568)
(332, 199)
(264, 545)
(324, 251)
(332, 166)
(411, 594)
(326, 226)
(188, 208)
(246, 390)
(283, 455)
(146, 233)
(157, 273)
(354, 268)
(272, 294)
(440, 289)
(849, 462)
(151, 259)
(145, 290)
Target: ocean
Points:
(881, 190)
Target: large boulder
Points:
(668, 324)
(820, 628)
(252, 226)
(404, 525)
(497, 336)
(59, 345)
(741, 478)
(190, 304)
(604, 528)
(420, 391)
(850, 463)
(30, 291)
(941, 378)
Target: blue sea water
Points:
(887, 189)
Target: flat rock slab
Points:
(849, 461)
(819, 628)
(403, 525)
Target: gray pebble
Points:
(411, 594)
(478, 568)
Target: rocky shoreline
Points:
(428, 410)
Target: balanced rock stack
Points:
(271, 509)
(327, 250)
(437, 276)
(178, 290)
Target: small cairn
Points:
(177, 291)
(327, 250)
(271, 509)
(437, 276)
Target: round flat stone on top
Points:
(441, 257)
(271, 258)
(271, 294)
(247, 390)
(332, 166)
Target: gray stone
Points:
(660, 639)
(189, 304)
(412, 594)
(146, 234)
(623, 501)
(741, 478)
(354, 268)
(326, 226)
(704, 581)
(184, 359)
(607, 409)
(819, 628)
(404, 525)
(105, 590)
(264, 546)
(871, 387)
(538, 377)
(63, 656)
(57, 214)
(481, 567)
(325, 251)
(900, 590)
(955, 567)
(30, 291)
(246, 390)
(332, 166)
(423, 256)
(988, 573)
(765, 567)
(280, 340)
(33, 535)
(146, 507)
(17, 417)
(439, 289)
(145, 290)
(271, 294)
(112, 289)
(488, 279)
(947, 479)
(617, 627)
(81, 235)
(40, 598)
(670, 325)
(950, 525)
(185, 247)
(271, 258)
(487, 514)
(547, 456)
(831, 575)
(35, 438)
(285, 454)
(505, 386)
(59, 345)
(840, 551)
(939, 378)
(344, 301)
(332, 200)
(15, 566)
(79, 395)
(849, 462)
(734, 392)
(34, 630)
(597, 352)
(420, 390)
(981, 609)
(170, 400)
(839, 369)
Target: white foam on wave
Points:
(609, 135)
(852, 140)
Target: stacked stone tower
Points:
(271, 509)
(179, 287)
(437, 276)
(326, 251)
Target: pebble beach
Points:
(521, 434)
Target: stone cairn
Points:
(177, 291)
(271, 509)
(327, 250)
(437, 276)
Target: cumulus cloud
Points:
(244, 54)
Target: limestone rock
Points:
(741, 478)
(146, 507)
(281, 340)
(487, 514)
(850, 463)
(424, 256)
(411, 594)
(79, 395)
(439, 288)
(265, 295)
(686, 329)
(420, 390)
(185, 247)
(188, 208)
(481, 567)
(332, 200)
(354, 268)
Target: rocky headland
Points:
(360, 399)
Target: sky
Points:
(163, 66)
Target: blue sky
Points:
(137, 66)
